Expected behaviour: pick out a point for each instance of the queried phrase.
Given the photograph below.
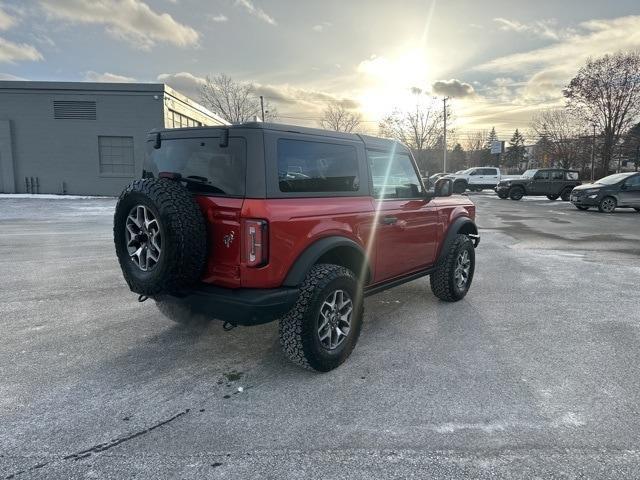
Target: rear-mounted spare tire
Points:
(160, 237)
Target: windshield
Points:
(613, 179)
(207, 167)
(529, 173)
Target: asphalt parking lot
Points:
(535, 372)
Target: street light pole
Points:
(262, 106)
(593, 154)
(444, 144)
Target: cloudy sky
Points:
(499, 60)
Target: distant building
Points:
(84, 138)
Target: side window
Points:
(572, 175)
(557, 175)
(393, 175)
(542, 175)
(477, 171)
(305, 166)
(633, 182)
(490, 171)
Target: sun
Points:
(388, 81)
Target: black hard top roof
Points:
(369, 141)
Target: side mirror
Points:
(443, 187)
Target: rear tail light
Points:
(256, 242)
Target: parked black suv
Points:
(549, 182)
(618, 190)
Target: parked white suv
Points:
(475, 179)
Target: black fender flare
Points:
(310, 256)
(460, 224)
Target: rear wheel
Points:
(552, 197)
(582, 207)
(607, 205)
(516, 193)
(454, 272)
(323, 327)
(566, 194)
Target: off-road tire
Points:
(179, 312)
(552, 197)
(565, 195)
(516, 193)
(581, 207)
(184, 236)
(502, 196)
(603, 206)
(442, 280)
(459, 186)
(298, 328)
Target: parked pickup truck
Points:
(475, 179)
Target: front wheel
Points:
(503, 196)
(454, 271)
(607, 205)
(323, 327)
(516, 193)
(566, 194)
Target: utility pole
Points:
(593, 154)
(444, 143)
(262, 106)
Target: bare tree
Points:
(562, 132)
(475, 146)
(607, 92)
(337, 117)
(419, 129)
(236, 102)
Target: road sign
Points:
(497, 146)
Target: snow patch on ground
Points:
(48, 196)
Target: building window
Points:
(177, 120)
(116, 156)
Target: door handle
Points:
(389, 220)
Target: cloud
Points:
(542, 72)
(218, 18)
(92, 76)
(8, 76)
(6, 20)
(130, 20)
(539, 28)
(256, 12)
(184, 82)
(453, 88)
(321, 27)
(11, 52)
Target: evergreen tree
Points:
(515, 152)
(458, 158)
(487, 158)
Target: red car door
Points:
(406, 224)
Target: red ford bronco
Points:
(257, 222)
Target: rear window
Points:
(572, 175)
(209, 168)
(305, 166)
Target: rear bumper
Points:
(242, 306)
